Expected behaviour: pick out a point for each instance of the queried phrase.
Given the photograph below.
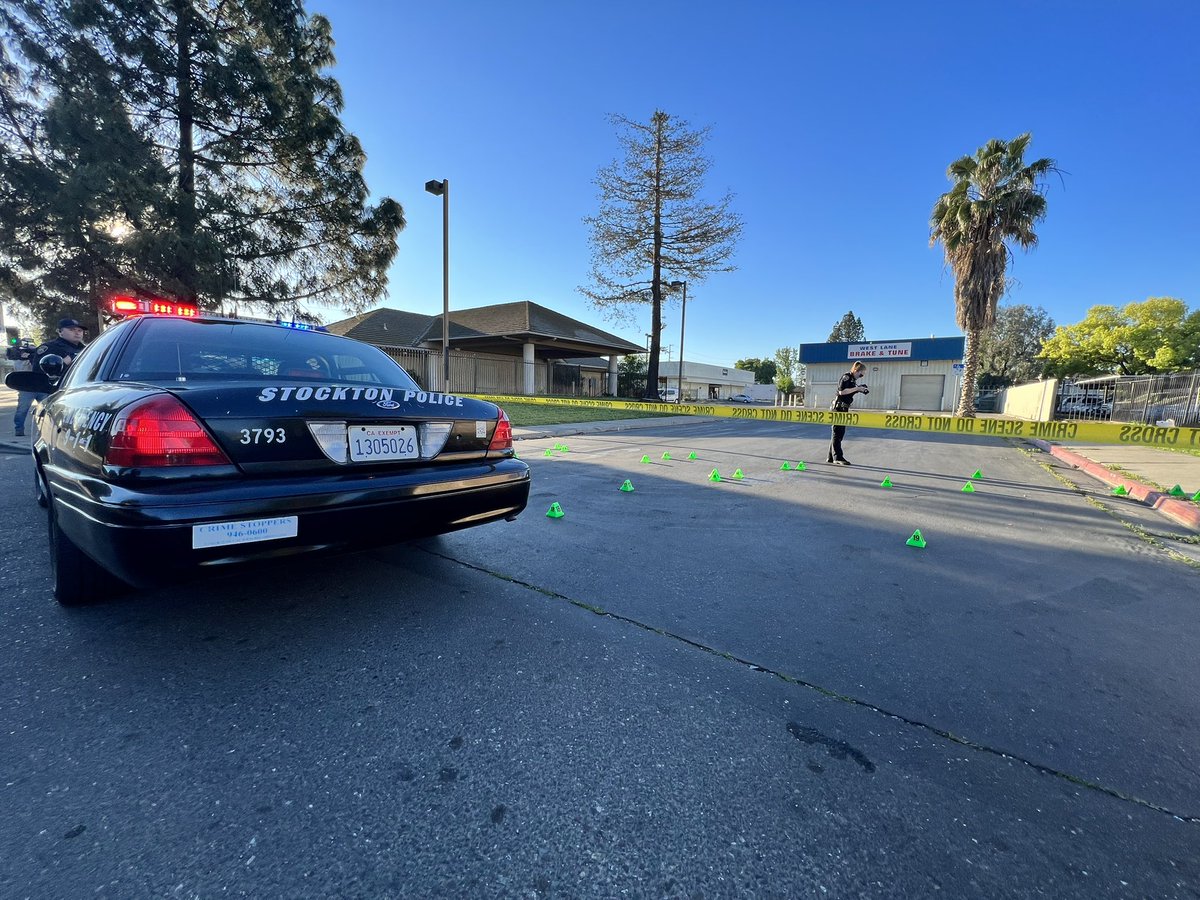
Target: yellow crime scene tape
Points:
(1090, 432)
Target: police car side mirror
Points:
(52, 364)
(34, 382)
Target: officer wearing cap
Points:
(67, 345)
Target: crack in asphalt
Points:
(824, 691)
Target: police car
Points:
(180, 443)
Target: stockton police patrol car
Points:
(180, 443)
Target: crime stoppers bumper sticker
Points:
(219, 534)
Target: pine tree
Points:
(651, 228)
(182, 148)
(849, 329)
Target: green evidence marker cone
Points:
(1176, 491)
(693, 455)
(916, 540)
(887, 481)
(968, 488)
(1119, 491)
(645, 458)
(555, 511)
(666, 454)
(714, 475)
(737, 473)
(627, 486)
(786, 467)
(549, 452)
(562, 448)
(978, 474)
(799, 467)
(1196, 496)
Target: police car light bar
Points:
(300, 326)
(134, 306)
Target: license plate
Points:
(379, 443)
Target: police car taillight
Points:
(502, 436)
(161, 431)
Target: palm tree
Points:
(996, 199)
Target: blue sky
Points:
(832, 123)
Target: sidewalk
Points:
(1141, 468)
(9, 443)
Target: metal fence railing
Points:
(1159, 398)
(483, 373)
(1133, 398)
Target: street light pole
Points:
(682, 322)
(442, 189)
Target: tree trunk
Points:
(186, 265)
(966, 400)
(656, 276)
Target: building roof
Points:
(876, 351)
(384, 327)
(555, 334)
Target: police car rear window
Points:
(191, 351)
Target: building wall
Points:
(884, 380)
(1034, 400)
(887, 362)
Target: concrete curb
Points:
(1183, 511)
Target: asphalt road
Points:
(749, 688)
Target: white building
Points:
(921, 374)
(704, 382)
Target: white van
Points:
(669, 395)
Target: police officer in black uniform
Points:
(67, 345)
(847, 388)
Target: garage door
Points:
(922, 391)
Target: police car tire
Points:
(39, 490)
(78, 581)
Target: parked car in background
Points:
(669, 395)
(178, 445)
(985, 401)
(1085, 407)
(742, 398)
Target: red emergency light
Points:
(134, 306)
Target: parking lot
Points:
(744, 688)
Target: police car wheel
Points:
(39, 489)
(78, 581)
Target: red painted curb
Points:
(1184, 512)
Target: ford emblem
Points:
(388, 404)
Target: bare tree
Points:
(652, 229)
